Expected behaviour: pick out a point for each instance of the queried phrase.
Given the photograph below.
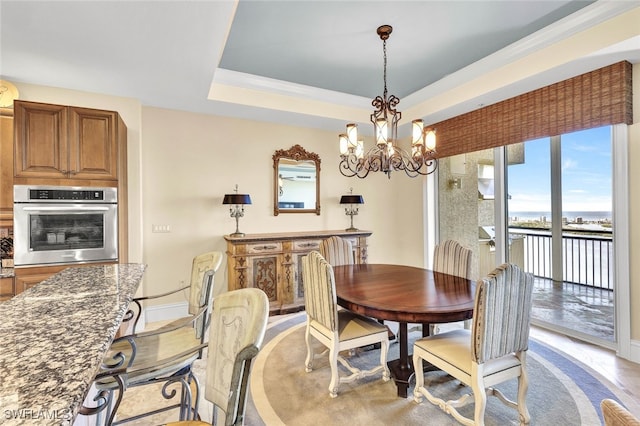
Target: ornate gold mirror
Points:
(296, 181)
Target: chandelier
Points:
(386, 156)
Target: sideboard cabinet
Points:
(272, 263)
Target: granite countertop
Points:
(7, 273)
(53, 337)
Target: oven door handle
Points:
(65, 209)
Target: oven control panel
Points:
(64, 194)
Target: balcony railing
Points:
(587, 256)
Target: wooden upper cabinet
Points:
(57, 141)
(41, 141)
(93, 147)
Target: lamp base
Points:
(237, 234)
(352, 229)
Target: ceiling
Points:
(308, 63)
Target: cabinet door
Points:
(28, 277)
(40, 148)
(6, 164)
(27, 281)
(93, 148)
(262, 271)
(6, 288)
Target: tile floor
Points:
(579, 310)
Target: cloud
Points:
(569, 164)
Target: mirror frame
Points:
(296, 153)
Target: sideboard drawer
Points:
(306, 245)
(267, 247)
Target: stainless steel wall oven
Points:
(61, 225)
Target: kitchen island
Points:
(53, 337)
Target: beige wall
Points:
(191, 160)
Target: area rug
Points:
(562, 391)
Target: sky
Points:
(586, 174)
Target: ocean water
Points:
(590, 216)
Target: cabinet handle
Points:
(265, 247)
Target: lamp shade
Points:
(236, 199)
(351, 199)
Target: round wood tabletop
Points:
(404, 293)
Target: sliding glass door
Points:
(557, 212)
(560, 205)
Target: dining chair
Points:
(200, 287)
(337, 251)
(492, 352)
(450, 257)
(338, 330)
(238, 324)
(614, 414)
(143, 356)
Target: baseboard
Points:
(635, 351)
(166, 312)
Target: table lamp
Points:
(351, 199)
(238, 201)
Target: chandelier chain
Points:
(384, 51)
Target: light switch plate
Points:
(160, 228)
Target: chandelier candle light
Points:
(351, 211)
(386, 156)
(238, 200)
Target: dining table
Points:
(406, 295)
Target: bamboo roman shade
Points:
(598, 98)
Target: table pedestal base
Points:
(402, 368)
(401, 374)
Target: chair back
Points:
(337, 251)
(319, 290)
(502, 313)
(238, 324)
(614, 414)
(203, 270)
(450, 257)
